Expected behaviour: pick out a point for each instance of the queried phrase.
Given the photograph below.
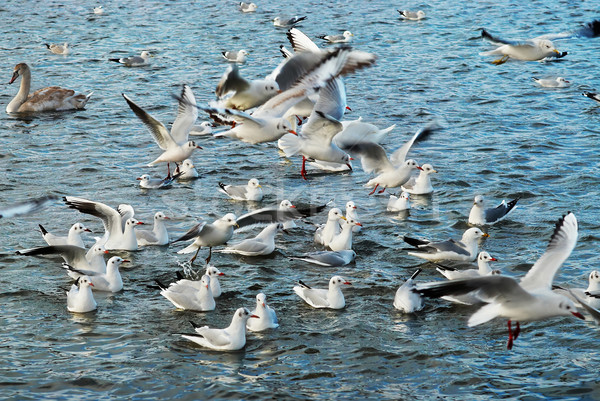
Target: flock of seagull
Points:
(300, 106)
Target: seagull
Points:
(189, 297)
(399, 203)
(343, 38)
(98, 10)
(58, 49)
(483, 268)
(175, 143)
(247, 7)
(110, 281)
(480, 216)
(282, 213)
(262, 244)
(282, 22)
(393, 171)
(73, 256)
(116, 236)
(267, 317)
(558, 82)
(589, 295)
(321, 298)
(343, 241)
(406, 300)
(352, 214)
(147, 182)
(232, 338)
(73, 238)
(80, 299)
(412, 15)
(212, 272)
(157, 236)
(134, 61)
(463, 250)
(249, 192)
(27, 207)
(246, 94)
(420, 185)
(208, 234)
(205, 128)
(530, 50)
(325, 233)
(591, 95)
(328, 258)
(188, 170)
(235, 57)
(529, 299)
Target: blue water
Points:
(503, 137)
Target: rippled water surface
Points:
(503, 137)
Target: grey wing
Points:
(111, 219)
(231, 81)
(323, 258)
(187, 113)
(499, 212)
(595, 313)
(146, 235)
(561, 245)
(239, 116)
(248, 245)
(161, 136)
(73, 255)
(321, 127)
(267, 216)
(216, 337)
(296, 67)
(372, 156)
(192, 232)
(399, 155)
(133, 60)
(488, 288)
(332, 99)
(445, 246)
(239, 191)
(27, 207)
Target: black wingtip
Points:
(116, 60)
(42, 229)
(47, 45)
(194, 325)
(179, 275)
(222, 186)
(445, 268)
(303, 284)
(160, 285)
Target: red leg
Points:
(299, 120)
(517, 331)
(510, 337)
(382, 191)
(303, 171)
(374, 189)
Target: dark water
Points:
(502, 137)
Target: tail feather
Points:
(303, 284)
(290, 144)
(414, 241)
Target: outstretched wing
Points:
(161, 136)
(187, 113)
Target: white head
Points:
(99, 250)
(270, 88)
(428, 169)
(213, 272)
(160, 216)
(114, 263)
(473, 233)
(228, 220)
(347, 34)
(243, 314)
(144, 178)
(412, 164)
(565, 307)
(338, 281)
(192, 145)
(79, 228)
(335, 214)
(145, 54)
(84, 281)
(243, 52)
(352, 222)
(546, 46)
(350, 205)
(132, 223)
(205, 280)
(286, 204)
(284, 127)
(261, 300)
(420, 13)
(561, 79)
(188, 164)
(253, 183)
(405, 195)
(594, 277)
(482, 261)
(479, 201)
(277, 20)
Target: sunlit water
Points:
(503, 137)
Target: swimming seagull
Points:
(212, 272)
(58, 49)
(405, 299)
(591, 95)
(188, 170)
(205, 128)
(98, 10)
(109, 281)
(399, 203)
(208, 235)
(232, 338)
(463, 250)
(148, 182)
(589, 295)
(282, 22)
(249, 192)
(558, 82)
(247, 7)
(158, 235)
(74, 256)
(262, 244)
(352, 214)
(529, 299)
(343, 38)
(189, 297)
(326, 232)
(328, 258)
(483, 268)
(267, 319)
(530, 50)
(343, 241)
(480, 216)
(80, 299)
(412, 15)
(331, 298)
(175, 144)
(72, 238)
(235, 57)
(393, 171)
(26, 207)
(420, 185)
(117, 235)
(134, 61)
